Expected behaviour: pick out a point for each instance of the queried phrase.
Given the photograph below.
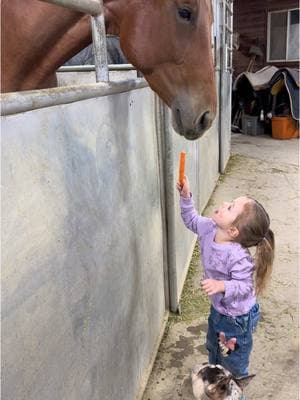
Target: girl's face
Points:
(225, 215)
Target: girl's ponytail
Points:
(253, 225)
(264, 257)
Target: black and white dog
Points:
(213, 382)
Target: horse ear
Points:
(244, 381)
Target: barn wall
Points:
(82, 261)
(250, 19)
(85, 271)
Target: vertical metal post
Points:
(226, 11)
(228, 32)
(170, 211)
(99, 45)
(96, 10)
(231, 45)
(287, 34)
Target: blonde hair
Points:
(253, 224)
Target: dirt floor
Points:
(266, 169)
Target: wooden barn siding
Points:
(250, 18)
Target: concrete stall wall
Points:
(85, 249)
(83, 290)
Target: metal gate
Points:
(223, 31)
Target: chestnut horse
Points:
(169, 41)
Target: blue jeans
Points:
(241, 328)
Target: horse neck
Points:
(47, 34)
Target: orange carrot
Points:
(182, 167)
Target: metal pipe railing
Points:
(91, 67)
(92, 7)
(96, 11)
(28, 100)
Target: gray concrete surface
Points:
(82, 291)
(84, 238)
(268, 170)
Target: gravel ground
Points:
(266, 169)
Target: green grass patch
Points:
(193, 303)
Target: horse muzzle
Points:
(189, 127)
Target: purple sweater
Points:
(228, 262)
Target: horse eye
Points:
(185, 13)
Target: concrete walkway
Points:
(266, 169)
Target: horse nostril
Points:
(179, 120)
(204, 121)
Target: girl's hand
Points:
(212, 286)
(184, 190)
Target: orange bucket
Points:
(284, 128)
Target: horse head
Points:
(170, 43)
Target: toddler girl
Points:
(232, 277)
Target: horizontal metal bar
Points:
(17, 102)
(90, 67)
(92, 7)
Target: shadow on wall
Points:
(90, 275)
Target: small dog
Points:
(213, 382)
